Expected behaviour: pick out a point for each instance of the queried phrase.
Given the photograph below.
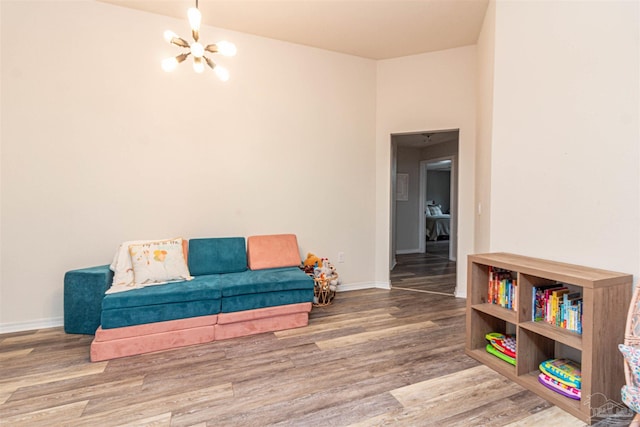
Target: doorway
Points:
(424, 259)
(438, 206)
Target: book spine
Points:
(490, 286)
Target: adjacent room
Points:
(278, 172)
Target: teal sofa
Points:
(225, 286)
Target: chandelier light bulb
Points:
(197, 50)
(169, 64)
(194, 18)
(198, 65)
(226, 48)
(170, 35)
(222, 73)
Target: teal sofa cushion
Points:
(129, 316)
(265, 299)
(83, 293)
(198, 297)
(200, 288)
(254, 289)
(261, 281)
(217, 255)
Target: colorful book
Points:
(554, 306)
(502, 288)
(538, 299)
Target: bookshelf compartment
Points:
(605, 300)
(530, 381)
(537, 348)
(564, 336)
(528, 282)
(483, 323)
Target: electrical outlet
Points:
(340, 256)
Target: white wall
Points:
(407, 231)
(484, 130)
(99, 146)
(564, 182)
(426, 92)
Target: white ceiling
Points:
(378, 29)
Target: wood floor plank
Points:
(57, 415)
(497, 413)
(366, 337)
(430, 402)
(321, 326)
(27, 399)
(552, 416)
(162, 420)
(12, 384)
(157, 405)
(4, 355)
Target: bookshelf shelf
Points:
(572, 339)
(606, 296)
(497, 311)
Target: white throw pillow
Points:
(121, 265)
(158, 262)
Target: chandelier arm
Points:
(209, 62)
(195, 34)
(182, 57)
(213, 48)
(179, 41)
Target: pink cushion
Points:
(273, 251)
(262, 313)
(106, 350)
(258, 326)
(154, 328)
(269, 319)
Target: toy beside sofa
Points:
(235, 290)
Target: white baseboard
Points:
(460, 294)
(345, 287)
(6, 328)
(407, 251)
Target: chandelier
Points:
(196, 49)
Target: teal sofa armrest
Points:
(83, 293)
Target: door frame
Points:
(453, 209)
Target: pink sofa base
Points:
(132, 340)
(106, 350)
(242, 323)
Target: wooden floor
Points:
(430, 272)
(372, 358)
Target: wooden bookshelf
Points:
(606, 297)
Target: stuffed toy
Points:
(312, 261)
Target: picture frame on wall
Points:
(402, 187)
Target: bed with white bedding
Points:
(437, 224)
